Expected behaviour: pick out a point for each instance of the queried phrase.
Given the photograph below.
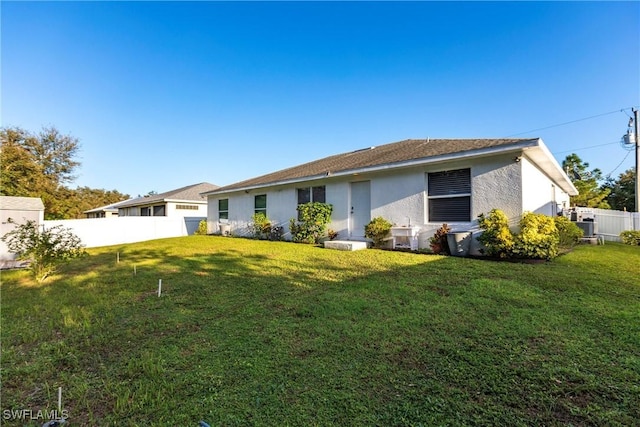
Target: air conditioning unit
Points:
(590, 228)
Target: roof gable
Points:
(392, 155)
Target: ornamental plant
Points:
(312, 222)
(438, 242)
(497, 237)
(45, 249)
(631, 237)
(377, 230)
(537, 239)
(569, 234)
(260, 226)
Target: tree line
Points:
(43, 164)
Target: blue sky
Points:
(167, 94)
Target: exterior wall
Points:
(173, 211)
(170, 209)
(539, 193)
(400, 196)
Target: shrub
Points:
(538, 237)
(631, 237)
(260, 226)
(332, 234)
(312, 223)
(377, 230)
(569, 234)
(276, 232)
(438, 242)
(45, 249)
(203, 229)
(497, 238)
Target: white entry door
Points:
(360, 213)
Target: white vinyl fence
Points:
(612, 223)
(96, 232)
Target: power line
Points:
(619, 164)
(586, 148)
(570, 122)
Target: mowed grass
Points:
(274, 333)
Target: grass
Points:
(273, 333)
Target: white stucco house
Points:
(417, 182)
(181, 202)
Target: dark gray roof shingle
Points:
(387, 154)
(190, 192)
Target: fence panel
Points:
(611, 223)
(97, 232)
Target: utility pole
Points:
(637, 138)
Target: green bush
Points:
(496, 237)
(377, 230)
(631, 237)
(312, 223)
(569, 234)
(202, 228)
(46, 249)
(438, 242)
(260, 226)
(537, 239)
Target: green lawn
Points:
(273, 333)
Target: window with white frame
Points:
(223, 208)
(311, 195)
(146, 211)
(449, 195)
(260, 204)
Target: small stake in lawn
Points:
(134, 270)
(159, 287)
(117, 257)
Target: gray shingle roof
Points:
(21, 203)
(188, 193)
(388, 154)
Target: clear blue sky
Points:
(167, 94)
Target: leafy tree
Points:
(586, 181)
(45, 249)
(20, 174)
(39, 165)
(622, 194)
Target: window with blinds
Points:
(449, 195)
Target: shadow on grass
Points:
(264, 333)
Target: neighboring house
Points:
(182, 202)
(107, 211)
(17, 210)
(420, 183)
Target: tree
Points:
(622, 194)
(40, 165)
(20, 174)
(45, 249)
(586, 181)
